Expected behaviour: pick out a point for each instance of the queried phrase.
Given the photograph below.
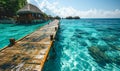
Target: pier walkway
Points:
(30, 52)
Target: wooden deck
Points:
(29, 53)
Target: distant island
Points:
(70, 17)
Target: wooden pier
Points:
(30, 52)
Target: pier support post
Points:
(12, 41)
(55, 28)
(51, 37)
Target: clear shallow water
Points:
(86, 45)
(16, 31)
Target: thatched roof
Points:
(29, 8)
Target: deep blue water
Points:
(16, 31)
(86, 45)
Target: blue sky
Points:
(90, 4)
(82, 8)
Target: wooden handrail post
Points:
(55, 28)
(51, 37)
(12, 41)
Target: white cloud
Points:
(54, 9)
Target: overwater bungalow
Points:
(29, 13)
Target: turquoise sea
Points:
(16, 31)
(86, 45)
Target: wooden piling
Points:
(12, 41)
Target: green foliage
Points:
(57, 17)
(69, 17)
(9, 7)
(45, 16)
